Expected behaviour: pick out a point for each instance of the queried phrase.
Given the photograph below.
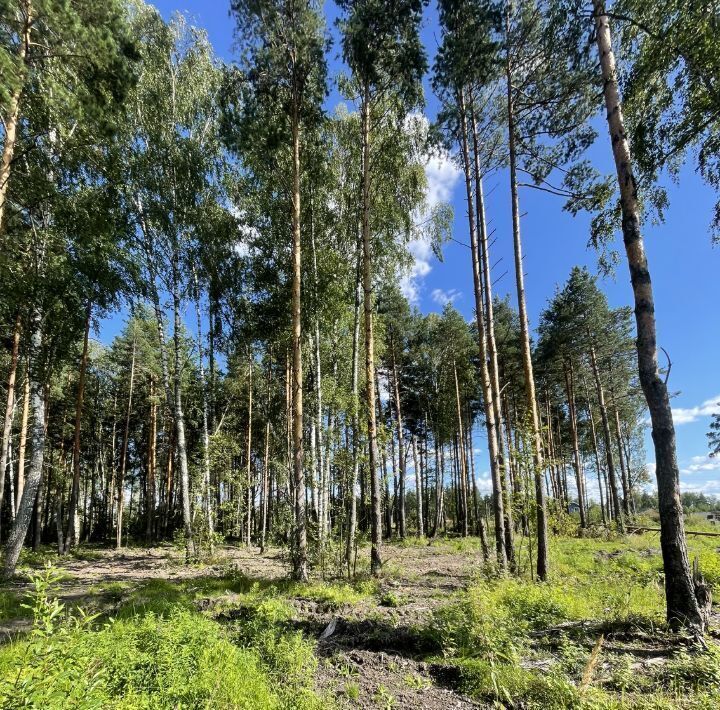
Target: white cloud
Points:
(421, 253)
(692, 414)
(484, 483)
(442, 298)
(702, 463)
(711, 487)
(442, 175)
(651, 467)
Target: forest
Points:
(240, 467)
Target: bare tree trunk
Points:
(607, 439)
(13, 115)
(37, 442)
(540, 508)
(23, 443)
(494, 369)
(401, 448)
(9, 409)
(207, 493)
(596, 452)
(123, 452)
(418, 487)
(490, 422)
(151, 466)
(355, 471)
(73, 534)
(462, 470)
(266, 463)
(180, 416)
(375, 518)
(248, 451)
(624, 472)
(682, 605)
(300, 571)
(570, 393)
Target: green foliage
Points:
(515, 687)
(181, 659)
(286, 655)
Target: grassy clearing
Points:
(592, 637)
(519, 643)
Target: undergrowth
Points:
(177, 658)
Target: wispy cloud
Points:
(710, 487)
(683, 415)
(442, 297)
(698, 464)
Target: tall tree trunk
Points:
(207, 493)
(462, 470)
(73, 534)
(37, 442)
(13, 115)
(401, 448)
(300, 537)
(375, 517)
(490, 422)
(23, 443)
(150, 485)
(603, 511)
(492, 352)
(570, 393)
(9, 409)
(624, 472)
(248, 452)
(180, 441)
(124, 451)
(417, 465)
(607, 440)
(540, 508)
(439, 486)
(266, 461)
(352, 524)
(682, 605)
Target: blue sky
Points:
(683, 263)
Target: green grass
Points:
(11, 605)
(492, 633)
(159, 653)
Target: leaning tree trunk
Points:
(682, 604)
(73, 534)
(490, 422)
(37, 442)
(375, 504)
(300, 571)
(540, 508)
(7, 427)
